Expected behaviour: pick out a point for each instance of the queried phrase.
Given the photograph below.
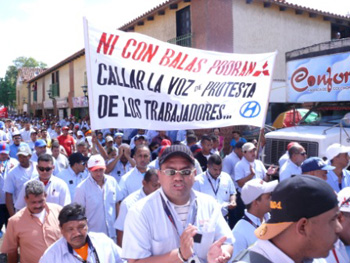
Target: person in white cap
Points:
(99, 195)
(256, 195)
(341, 251)
(80, 137)
(20, 174)
(338, 156)
(249, 167)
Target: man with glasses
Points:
(341, 251)
(292, 166)
(175, 223)
(75, 173)
(77, 244)
(56, 189)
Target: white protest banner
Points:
(135, 81)
(323, 78)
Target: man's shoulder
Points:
(54, 207)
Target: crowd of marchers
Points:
(71, 194)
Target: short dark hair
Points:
(214, 138)
(45, 158)
(206, 137)
(192, 138)
(149, 174)
(82, 143)
(214, 159)
(55, 144)
(235, 131)
(73, 211)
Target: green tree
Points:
(8, 84)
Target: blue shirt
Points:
(332, 180)
(233, 141)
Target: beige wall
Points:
(163, 27)
(23, 93)
(257, 29)
(79, 69)
(64, 80)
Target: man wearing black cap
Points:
(304, 223)
(77, 245)
(175, 223)
(75, 173)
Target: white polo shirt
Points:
(5, 168)
(125, 206)
(72, 179)
(56, 189)
(288, 169)
(332, 180)
(99, 203)
(149, 232)
(242, 169)
(243, 232)
(283, 159)
(228, 165)
(17, 177)
(61, 162)
(106, 249)
(131, 182)
(220, 189)
(119, 169)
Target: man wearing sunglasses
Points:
(175, 223)
(56, 189)
(297, 156)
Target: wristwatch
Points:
(192, 259)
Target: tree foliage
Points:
(8, 84)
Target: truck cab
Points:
(325, 123)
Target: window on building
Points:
(55, 87)
(183, 27)
(35, 92)
(339, 31)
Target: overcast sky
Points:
(50, 31)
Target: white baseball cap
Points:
(343, 199)
(96, 162)
(109, 139)
(248, 146)
(80, 133)
(256, 187)
(335, 149)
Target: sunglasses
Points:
(303, 153)
(42, 169)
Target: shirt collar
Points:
(252, 217)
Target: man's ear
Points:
(301, 227)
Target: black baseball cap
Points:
(176, 150)
(301, 196)
(77, 158)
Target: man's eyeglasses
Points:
(42, 169)
(303, 153)
(172, 172)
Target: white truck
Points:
(330, 124)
